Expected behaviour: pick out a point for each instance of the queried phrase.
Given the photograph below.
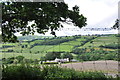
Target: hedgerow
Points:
(27, 72)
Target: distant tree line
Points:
(111, 46)
(117, 35)
(55, 41)
(6, 46)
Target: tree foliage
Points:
(52, 55)
(67, 55)
(44, 16)
(116, 25)
(20, 58)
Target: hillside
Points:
(77, 45)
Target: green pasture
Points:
(26, 55)
(101, 41)
(41, 48)
(66, 46)
(57, 48)
(36, 41)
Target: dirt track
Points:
(108, 66)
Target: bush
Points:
(8, 60)
(22, 72)
(26, 72)
(20, 58)
(10, 50)
(110, 56)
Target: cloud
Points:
(99, 13)
(95, 10)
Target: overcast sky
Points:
(99, 14)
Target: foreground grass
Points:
(27, 72)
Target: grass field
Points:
(26, 55)
(101, 41)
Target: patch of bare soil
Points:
(106, 66)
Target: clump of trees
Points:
(54, 55)
(18, 59)
(10, 60)
(94, 55)
(67, 55)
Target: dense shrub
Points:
(97, 56)
(111, 56)
(17, 59)
(24, 46)
(22, 72)
(117, 35)
(10, 50)
(27, 72)
(8, 60)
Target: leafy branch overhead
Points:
(44, 16)
(116, 25)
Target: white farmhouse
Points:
(62, 60)
(56, 60)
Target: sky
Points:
(97, 11)
(99, 14)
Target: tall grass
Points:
(27, 72)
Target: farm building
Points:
(56, 60)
